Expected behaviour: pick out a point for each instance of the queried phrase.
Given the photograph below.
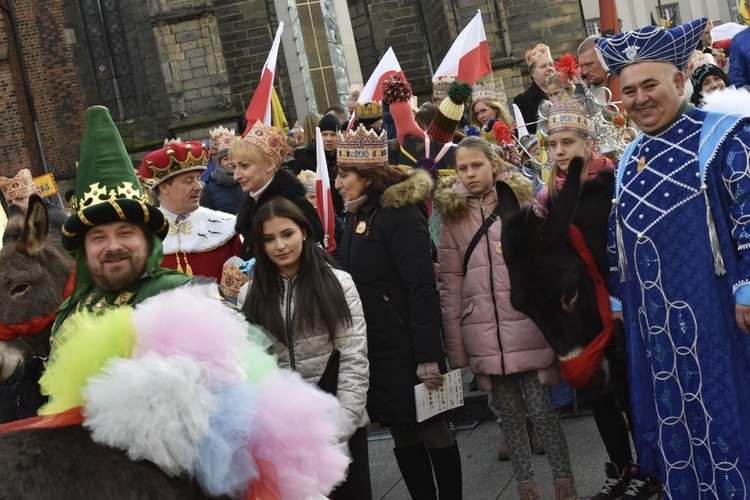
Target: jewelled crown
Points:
(369, 111)
(567, 113)
(270, 140)
(538, 52)
(172, 160)
(21, 184)
(362, 148)
(224, 140)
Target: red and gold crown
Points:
(171, 160)
(18, 186)
(232, 280)
(361, 149)
(369, 111)
(224, 140)
(538, 52)
(270, 140)
(567, 113)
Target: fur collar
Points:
(450, 197)
(410, 191)
(200, 231)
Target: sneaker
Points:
(613, 487)
(640, 486)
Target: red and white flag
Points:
(373, 91)
(323, 193)
(469, 56)
(260, 105)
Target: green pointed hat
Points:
(107, 188)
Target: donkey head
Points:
(549, 281)
(32, 279)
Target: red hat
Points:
(171, 160)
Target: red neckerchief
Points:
(33, 326)
(579, 371)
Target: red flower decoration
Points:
(566, 66)
(502, 133)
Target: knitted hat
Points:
(107, 189)
(329, 123)
(20, 185)
(172, 160)
(270, 140)
(362, 149)
(539, 52)
(397, 94)
(704, 71)
(449, 113)
(651, 43)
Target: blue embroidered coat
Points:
(689, 362)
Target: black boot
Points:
(416, 469)
(446, 462)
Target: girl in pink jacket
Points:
(503, 347)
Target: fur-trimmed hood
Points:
(450, 197)
(415, 188)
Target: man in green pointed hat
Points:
(114, 232)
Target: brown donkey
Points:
(33, 278)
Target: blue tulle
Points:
(472, 131)
(225, 465)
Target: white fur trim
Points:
(201, 231)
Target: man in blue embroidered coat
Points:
(680, 246)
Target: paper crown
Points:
(539, 52)
(107, 188)
(698, 59)
(361, 149)
(270, 140)
(225, 139)
(218, 132)
(172, 160)
(484, 90)
(651, 43)
(567, 113)
(440, 86)
(19, 186)
(307, 178)
(232, 280)
(369, 111)
(449, 114)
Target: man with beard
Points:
(200, 240)
(592, 71)
(114, 232)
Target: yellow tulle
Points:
(84, 345)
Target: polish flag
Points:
(469, 56)
(323, 192)
(260, 105)
(373, 91)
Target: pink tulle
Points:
(182, 321)
(297, 434)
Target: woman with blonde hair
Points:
(257, 158)
(485, 109)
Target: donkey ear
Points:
(36, 226)
(576, 167)
(507, 199)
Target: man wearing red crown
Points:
(200, 240)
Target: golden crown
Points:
(171, 160)
(567, 114)
(21, 184)
(362, 148)
(98, 193)
(371, 110)
(232, 280)
(270, 140)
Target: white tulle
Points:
(729, 100)
(154, 408)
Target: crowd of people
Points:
(417, 275)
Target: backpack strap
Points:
(479, 234)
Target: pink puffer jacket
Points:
(482, 330)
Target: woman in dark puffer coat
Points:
(222, 191)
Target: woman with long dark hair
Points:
(386, 248)
(311, 308)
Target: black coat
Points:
(283, 184)
(222, 198)
(306, 158)
(528, 102)
(386, 249)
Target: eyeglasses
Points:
(482, 111)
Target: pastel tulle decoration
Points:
(225, 465)
(198, 326)
(297, 427)
(470, 130)
(258, 363)
(154, 408)
(83, 346)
